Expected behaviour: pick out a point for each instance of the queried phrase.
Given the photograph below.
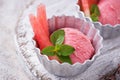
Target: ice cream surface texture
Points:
(82, 44)
(109, 11)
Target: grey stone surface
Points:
(11, 67)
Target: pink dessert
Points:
(109, 11)
(82, 44)
(73, 40)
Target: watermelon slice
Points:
(41, 16)
(91, 2)
(41, 30)
(85, 5)
(40, 35)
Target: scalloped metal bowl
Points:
(39, 64)
(65, 69)
(100, 26)
(105, 30)
(33, 59)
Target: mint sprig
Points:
(65, 59)
(62, 51)
(49, 50)
(57, 37)
(95, 13)
(66, 50)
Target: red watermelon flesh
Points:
(85, 5)
(40, 28)
(40, 35)
(41, 16)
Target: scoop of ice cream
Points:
(83, 47)
(109, 11)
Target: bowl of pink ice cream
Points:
(109, 11)
(80, 34)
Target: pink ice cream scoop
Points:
(82, 44)
(109, 11)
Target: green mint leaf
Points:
(94, 17)
(57, 47)
(66, 50)
(49, 51)
(94, 9)
(65, 59)
(95, 13)
(57, 37)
